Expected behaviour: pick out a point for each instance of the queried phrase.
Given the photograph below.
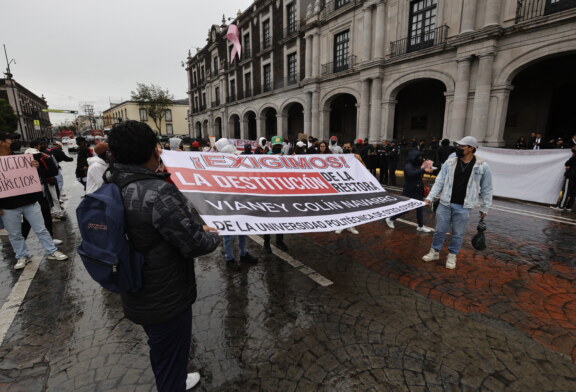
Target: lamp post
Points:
(13, 85)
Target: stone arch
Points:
(218, 127)
(334, 93)
(234, 126)
(265, 107)
(394, 88)
(289, 102)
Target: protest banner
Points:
(268, 194)
(18, 176)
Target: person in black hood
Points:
(413, 187)
(247, 149)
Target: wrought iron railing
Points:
(216, 103)
(339, 65)
(231, 98)
(335, 5)
(425, 40)
(288, 81)
(267, 87)
(291, 30)
(530, 9)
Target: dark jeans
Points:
(392, 172)
(169, 344)
(45, 208)
(384, 174)
(279, 237)
(568, 193)
(419, 216)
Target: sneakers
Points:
(451, 261)
(555, 208)
(192, 379)
(282, 246)
(3, 232)
(423, 229)
(232, 265)
(56, 242)
(353, 230)
(248, 258)
(57, 256)
(339, 231)
(390, 223)
(21, 263)
(431, 256)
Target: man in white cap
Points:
(463, 182)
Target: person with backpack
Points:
(162, 229)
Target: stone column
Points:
(492, 15)
(388, 112)
(224, 124)
(309, 58)
(495, 136)
(315, 130)
(324, 125)
(375, 110)
(367, 41)
(482, 97)
(316, 55)
(307, 113)
(261, 130)
(468, 16)
(458, 120)
(244, 129)
(281, 125)
(364, 110)
(379, 31)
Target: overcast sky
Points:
(78, 51)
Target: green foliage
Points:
(155, 100)
(8, 120)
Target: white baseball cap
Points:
(467, 141)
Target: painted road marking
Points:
(16, 297)
(309, 272)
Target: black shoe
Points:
(267, 247)
(282, 246)
(248, 258)
(232, 265)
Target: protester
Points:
(14, 208)
(82, 161)
(97, 166)
(414, 187)
(276, 143)
(572, 142)
(521, 143)
(161, 226)
(300, 148)
(175, 144)
(262, 146)
(569, 185)
(286, 147)
(48, 171)
(444, 151)
(60, 156)
(382, 153)
(247, 149)
(372, 158)
(324, 148)
(393, 157)
(347, 149)
(334, 147)
(195, 146)
(538, 143)
(463, 182)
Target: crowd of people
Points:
(537, 142)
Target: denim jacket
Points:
(478, 190)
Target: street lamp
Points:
(13, 85)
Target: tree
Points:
(8, 120)
(155, 100)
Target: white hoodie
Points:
(96, 168)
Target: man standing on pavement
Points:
(463, 182)
(161, 227)
(82, 162)
(60, 156)
(14, 208)
(393, 157)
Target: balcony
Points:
(247, 93)
(291, 80)
(291, 31)
(267, 87)
(530, 9)
(428, 39)
(335, 5)
(216, 103)
(265, 44)
(344, 64)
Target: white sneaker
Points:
(56, 242)
(451, 261)
(339, 231)
(555, 208)
(21, 263)
(423, 229)
(431, 256)
(192, 379)
(352, 230)
(390, 223)
(3, 232)
(57, 256)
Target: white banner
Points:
(269, 194)
(531, 175)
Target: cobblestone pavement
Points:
(502, 321)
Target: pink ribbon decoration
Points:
(233, 35)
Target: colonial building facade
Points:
(389, 69)
(32, 121)
(174, 121)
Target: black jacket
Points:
(161, 227)
(571, 173)
(60, 155)
(413, 184)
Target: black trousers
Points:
(568, 193)
(384, 173)
(169, 344)
(392, 172)
(279, 237)
(45, 208)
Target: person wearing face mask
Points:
(276, 143)
(463, 182)
(262, 146)
(334, 147)
(97, 166)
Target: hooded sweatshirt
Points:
(334, 147)
(175, 143)
(96, 168)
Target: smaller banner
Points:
(270, 194)
(18, 176)
(239, 143)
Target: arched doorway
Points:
(541, 100)
(198, 127)
(218, 128)
(205, 129)
(234, 127)
(270, 123)
(420, 110)
(250, 118)
(295, 114)
(343, 117)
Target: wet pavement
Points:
(504, 320)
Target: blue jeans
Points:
(60, 181)
(228, 239)
(453, 219)
(13, 223)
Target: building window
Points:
(291, 17)
(217, 95)
(233, 90)
(196, 107)
(341, 50)
(143, 115)
(291, 61)
(266, 37)
(422, 24)
(203, 100)
(169, 129)
(168, 115)
(246, 48)
(202, 72)
(215, 65)
(267, 72)
(248, 84)
(553, 6)
(340, 3)
(194, 78)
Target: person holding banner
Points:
(569, 185)
(463, 182)
(276, 143)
